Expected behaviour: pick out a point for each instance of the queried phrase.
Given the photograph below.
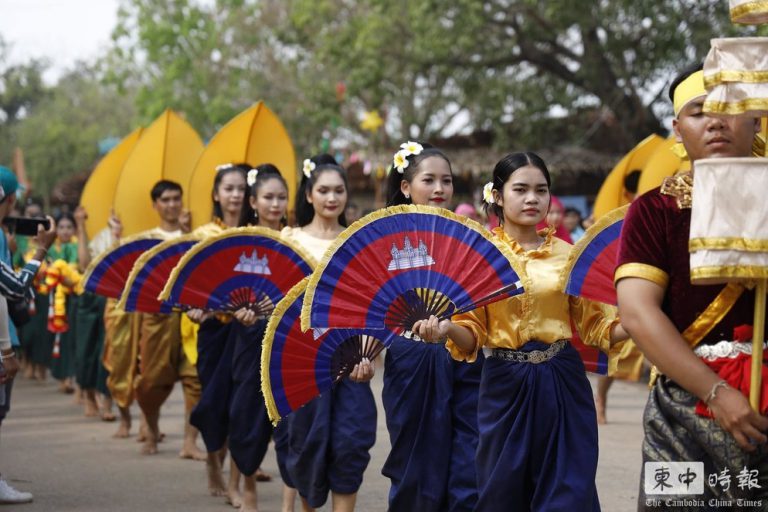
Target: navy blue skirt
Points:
(214, 368)
(538, 435)
(249, 426)
(324, 446)
(431, 407)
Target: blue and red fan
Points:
(589, 274)
(296, 366)
(405, 263)
(107, 274)
(240, 267)
(151, 272)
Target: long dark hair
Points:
(267, 172)
(506, 167)
(305, 212)
(246, 213)
(395, 196)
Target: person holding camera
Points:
(14, 287)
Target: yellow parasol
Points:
(167, 150)
(255, 136)
(611, 194)
(662, 163)
(99, 191)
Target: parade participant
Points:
(20, 255)
(342, 422)
(16, 287)
(89, 325)
(538, 447)
(554, 218)
(63, 346)
(161, 358)
(249, 428)
(430, 400)
(688, 331)
(214, 347)
(631, 365)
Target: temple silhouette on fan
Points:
(408, 257)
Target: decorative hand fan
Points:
(592, 261)
(595, 360)
(405, 263)
(151, 272)
(297, 367)
(241, 267)
(107, 274)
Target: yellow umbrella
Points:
(611, 194)
(255, 136)
(99, 192)
(168, 149)
(662, 163)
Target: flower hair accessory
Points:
(224, 167)
(488, 193)
(251, 178)
(309, 166)
(400, 161)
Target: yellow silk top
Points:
(316, 247)
(543, 313)
(209, 229)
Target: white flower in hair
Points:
(488, 193)
(400, 161)
(224, 167)
(251, 178)
(411, 148)
(309, 166)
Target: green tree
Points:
(60, 134)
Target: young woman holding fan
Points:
(343, 421)
(249, 426)
(536, 417)
(214, 351)
(430, 400)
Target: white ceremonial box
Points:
(736, 76)
(749, 12)
(729, 220)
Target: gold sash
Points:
(708, 319)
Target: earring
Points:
(407, 196)
(256, 215)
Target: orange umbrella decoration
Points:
(167, 149)
(611, 194)
(99, 192)
(255, 136)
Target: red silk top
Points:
(654, 246)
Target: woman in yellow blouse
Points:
(538, 444)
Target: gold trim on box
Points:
(643, 271)
(756, 7)
(729, 272)
(734, 108)
(727, 243)
(734, 75)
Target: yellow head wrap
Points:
(688, 90)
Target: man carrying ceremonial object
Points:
(697, 410)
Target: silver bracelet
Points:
(713, 392)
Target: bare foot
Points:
(123, 431)
(91, 409)
(108, 416)
(261, 476)
(234, 498)
(600, 407)
(193, 453)
(149, 447)
(29, 371)
(249, 495)
(215, 478)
